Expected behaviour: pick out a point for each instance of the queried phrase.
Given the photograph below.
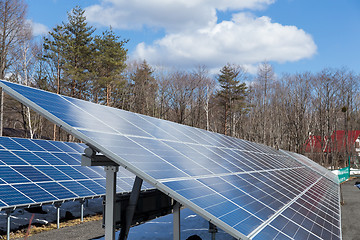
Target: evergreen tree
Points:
(53, 54)
(144, 89)
(78, 51)
(109, 63)
(232, 93)
(70, 48)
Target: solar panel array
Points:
(40, 171)
(249, 190)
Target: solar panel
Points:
(313, 165)
(39, 171)
(249, 190)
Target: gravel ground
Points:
(350, 211)
(350, 220)
(86, 230)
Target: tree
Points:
(70, 48)
(296, 105)
(109, 63)
(144, 89)
(78, 51)
(203, 92)
(232, 93)
(12, 22)
(325, 100)
(25, 69)
(54, 46)
(264, 81)
(181, 89)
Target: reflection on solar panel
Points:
(313, 165)
(39, 171)
(249, 190)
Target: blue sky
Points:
(293, 35)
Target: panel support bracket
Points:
(89, 158)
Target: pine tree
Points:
(232, 94)
(53, 53)
(69, 50)
(78, 51)
(109, 63)
(144, 89)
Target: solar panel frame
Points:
(115, 154)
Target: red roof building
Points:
(340, 141)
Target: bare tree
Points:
(264, 81)
(28, 56)
(296, 102)
(12, 19)
(205, 91)
(180, 91)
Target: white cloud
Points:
(169, 14)
(193, 34)
(38, 29)
(243, 40)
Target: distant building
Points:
(341, 145)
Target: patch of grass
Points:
(37, 228)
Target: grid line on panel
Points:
(313, 166)
(308, 228)
(261, 227)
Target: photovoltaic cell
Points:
(37, 194)
(39, 171)
(249, 190)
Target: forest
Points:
(281, 111)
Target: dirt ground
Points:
(350, 219)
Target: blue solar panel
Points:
(32, 174)
(9, 175)
(50, 158)
(11, 196)
(37, 193)
(247, 189)
(29, 145)
(31, 158)
(38, 171)
(10, 144)
(78, 189)
(10, 159)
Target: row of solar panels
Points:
(39, 171)
(249, 190)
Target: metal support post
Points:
(130, 210)
(82, 210)
(57, 205)
(213, 230)
(176, 221)
(8, 228)
(110, 201)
